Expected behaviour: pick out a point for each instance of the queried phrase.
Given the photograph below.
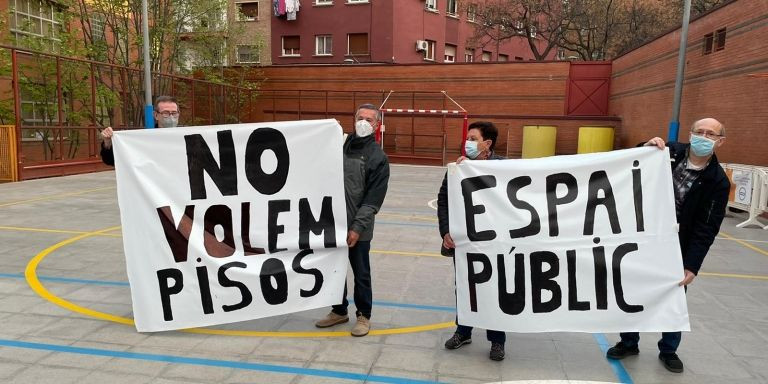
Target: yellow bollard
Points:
(595, 139)
(539, 141)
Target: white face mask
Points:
(363, 128)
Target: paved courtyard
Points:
(64, 298)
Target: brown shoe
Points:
(331, 319)
(362, 327)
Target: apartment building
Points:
(384, 31)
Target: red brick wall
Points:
(716, 85)
(509, 94)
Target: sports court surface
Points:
(64, 302)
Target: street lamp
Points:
(674, 124)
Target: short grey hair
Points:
(371, 107)
(165, 99)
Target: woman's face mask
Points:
(470, 148)
(363, 128)
(702, 146)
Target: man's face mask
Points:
(363, 128)
(702, 146)
(470, 148)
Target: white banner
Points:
(231, 222)
(582, 243)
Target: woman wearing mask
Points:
(481, 139)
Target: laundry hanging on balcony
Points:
(286, 8)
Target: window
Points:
(452, 8)
(486, 56)
(323, 45)
(450, 54)
(97, 27)
(30, 19)
(323, 2)
(248, 54)
(247, 11)
(518, 58)
(291, 46)
(709, 40)
(469, 56)
(357, 44)
(720, 39)
(471, 12)
(533, 31)
(503, 57)
(431, 5)
(356, 1)
(429, 54)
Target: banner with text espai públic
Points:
(581, 243)
(231, 222)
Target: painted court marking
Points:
(33, 280)
(212, 363)
(55, 196)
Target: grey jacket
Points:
(366, 176)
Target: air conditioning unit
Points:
(422, 45)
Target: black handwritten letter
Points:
(200, 158)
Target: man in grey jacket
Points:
(366, 175)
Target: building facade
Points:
(391, 32)
(251, 20)
(725, 54)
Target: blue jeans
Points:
(359, 260)
(668, 343)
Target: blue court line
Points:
(618, 368)
(211, 363)
(67, 280)
(125, 284)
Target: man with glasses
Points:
(166, 116)
(701, 194)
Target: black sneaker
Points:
(671, 362)
(457, 341)
(497, 352)
(620, 351)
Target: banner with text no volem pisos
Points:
(231, 222)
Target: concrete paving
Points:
(43, 342)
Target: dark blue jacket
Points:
(702, 211)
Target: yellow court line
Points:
(55, 196)
(421, 218)
(744, 243)
(734, 275)
(30, 274)
(46, 230)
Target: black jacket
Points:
(107, 155)
(702, 211)
(442, 206)
(366, 176)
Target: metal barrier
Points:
(749, 191)
(8, 160)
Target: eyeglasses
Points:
(707, 134)
(168, 113)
